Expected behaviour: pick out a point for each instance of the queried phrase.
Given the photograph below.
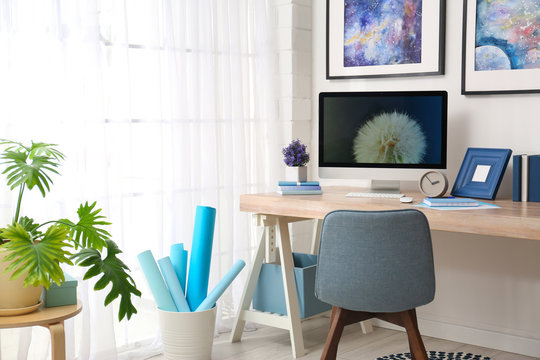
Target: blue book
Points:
(516, 178)
(534, 178)
(450, 202)
(299, 192)
(294, 183)
(300, 187)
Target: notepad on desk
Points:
(433, 202)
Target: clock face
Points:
(433, 184)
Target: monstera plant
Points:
(38, 249)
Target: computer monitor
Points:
(385, 137)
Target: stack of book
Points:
(450, 201)
(299, 188)
(526, 178)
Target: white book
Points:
(299, 192)
(524, 178)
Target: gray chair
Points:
(375, 264)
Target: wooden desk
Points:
(273, 213)
(51, 318)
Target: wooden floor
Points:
(274, 344)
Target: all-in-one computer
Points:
(385, 137)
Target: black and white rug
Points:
(438, 355)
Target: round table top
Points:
(42, 316)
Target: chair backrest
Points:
(375, 261)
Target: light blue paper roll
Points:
(179, 258)
(173, 284)
(201, 254)
(220, 288)
(155, 281)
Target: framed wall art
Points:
(501, 47)
(384, 38)
(481, 173)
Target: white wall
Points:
(488, 289)
(294, 51)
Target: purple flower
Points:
(295, 154)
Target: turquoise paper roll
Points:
(155, 281)
(179, 258)
(201, 254)
(220, 288)
(173, 284)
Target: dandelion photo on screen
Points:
(392, 138)
(382, 129)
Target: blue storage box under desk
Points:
(269, 294)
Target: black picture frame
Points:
(483, 82)
(481, 173)
(433, 44)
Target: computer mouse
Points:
(405, 199)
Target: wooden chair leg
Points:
(342, 317)
(416, 345)
(407, 319)
(337, 323)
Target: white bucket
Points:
(187, 335)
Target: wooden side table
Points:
(51, 318)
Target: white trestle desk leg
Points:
(266, 226)
(249, 289)
(270, 243)
(317, 226)
(366, 326)
(289, 285)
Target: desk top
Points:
(512, 219)
(42, 316)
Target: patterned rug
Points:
(438, 355)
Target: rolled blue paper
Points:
(155, 281)
(201, 254)
(173, 284)
(220, 288)
(183, 268)
(179, 258)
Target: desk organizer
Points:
(66, 294)
(269, 294)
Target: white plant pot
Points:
(15, 298)
(187, 335)
(296, 173)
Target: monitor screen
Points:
(382, 130)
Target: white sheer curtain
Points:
(159, 106)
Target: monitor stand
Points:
(384, 186)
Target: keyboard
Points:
(375, 195)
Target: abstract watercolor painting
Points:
(507, 35)
(382, 32)
(501, 47)
(384, 38)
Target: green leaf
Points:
(86, 232)
(40, 259)
(113, 271)
(30, 165)
(29, 225)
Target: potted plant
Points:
(37, 250)
(296, 157)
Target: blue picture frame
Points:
(481, 173)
